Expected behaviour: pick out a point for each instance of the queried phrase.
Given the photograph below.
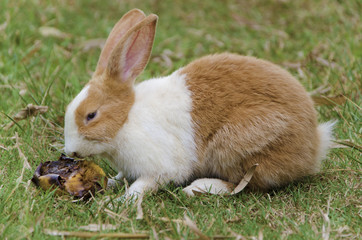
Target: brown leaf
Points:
(30, 110)
(246, 179)
(188, 222)
(98, 227)
(53, 32)
(329, 101)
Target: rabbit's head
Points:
(98, 112)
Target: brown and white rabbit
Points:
(210, 120)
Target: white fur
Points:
(325, 131)
(207, 185)
(157, 140)
(115, 181)
(155, 145)
(73, 140)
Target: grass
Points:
(319, 42)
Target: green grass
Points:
(323, 37)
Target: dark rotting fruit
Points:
(79, 178)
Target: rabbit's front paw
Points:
(115, 182)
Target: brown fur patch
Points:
(112, 103)
(249, 111)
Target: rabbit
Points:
(209, 121)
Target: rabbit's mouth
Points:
(77, 155)
(73, 155)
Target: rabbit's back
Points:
(248, 111)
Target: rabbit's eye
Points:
(90, 116)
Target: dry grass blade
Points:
(96, 234)
(21, 154)
(92, 44)
(165, 219)
(36, 47)
(260, 235)
(30, 110)
(246, 179)
(323, 89)
(155, 235)
(5, 24)
(235, 219)
(3, 147)
(98, 227)
(326, 228)
(139, 207)
(293, 65)
(329, 101)
(53, 32)
(26, 165)
(327, 63)
(335, 145)
(188, 222)
(237, 236)
(121, 216)
(348, 143)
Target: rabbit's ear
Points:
(128, 20)
(131, 55)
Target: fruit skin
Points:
(79, 178)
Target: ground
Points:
(48, 50)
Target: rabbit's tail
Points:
(325, 132)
